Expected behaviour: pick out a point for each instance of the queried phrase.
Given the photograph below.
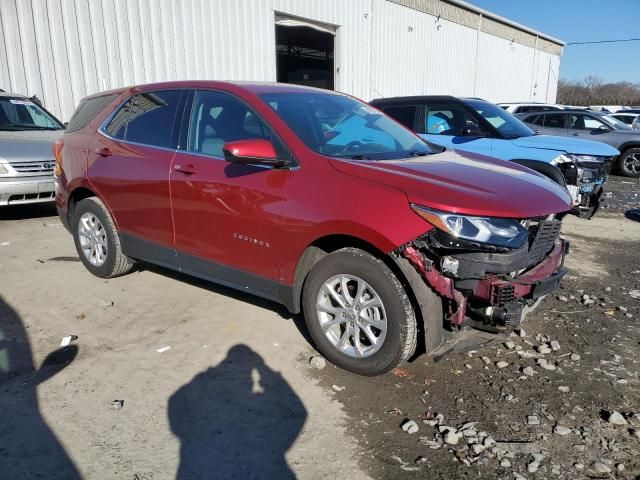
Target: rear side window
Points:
(87, 111)
(536, 119)
(147, 118)
(554, 121)
(404, 114)
(152, 117)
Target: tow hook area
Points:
(441, 284)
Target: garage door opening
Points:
(304, 53)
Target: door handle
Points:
(186, 169)
(575, 134)
(103, 152)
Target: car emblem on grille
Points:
(47, 165)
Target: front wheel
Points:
(629, 163)
(358, 313)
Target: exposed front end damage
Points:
(585, 180)
(489, 288)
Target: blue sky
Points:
(583, 20)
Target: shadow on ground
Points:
(239, 295)
(28, 447)
(236, 420)
(33, 210)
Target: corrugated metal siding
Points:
(504, 69)
(417, 54)
(63, 50)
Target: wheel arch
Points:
(408, 277)
(628, 145)
(550, 171)
(77, 194)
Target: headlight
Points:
(502, 232)
(3, 170)
(574, 158)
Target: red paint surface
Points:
(229, 213)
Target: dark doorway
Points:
(304, 56)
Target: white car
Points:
(607, 108)
(514, 108)
(631, 119)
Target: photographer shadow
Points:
(236, 420)
(28, 447)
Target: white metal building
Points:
(62, 50)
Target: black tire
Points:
(115, 263)
(401, 337)
(624, 163)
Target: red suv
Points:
(315, 200)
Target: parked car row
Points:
(473, 125)
(599, 126)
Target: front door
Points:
(227, 216)
(453, 127)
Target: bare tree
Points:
(593, 91)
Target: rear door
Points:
(451, 126)
(228, 217)
(551, 123)
(129, 162)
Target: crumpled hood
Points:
(28, 146)
(566, 144)
(466, 183)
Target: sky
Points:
(581, 21)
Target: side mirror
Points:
(255, 151)
(602, 128)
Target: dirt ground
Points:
(235, 397)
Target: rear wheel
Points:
(358, 313)
(97, 240)
(629, 163)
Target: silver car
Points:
(27, 133)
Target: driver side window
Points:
(448, 120)
(580, 121)
(218, 118)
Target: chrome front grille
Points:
(42, 167)
(542, 237)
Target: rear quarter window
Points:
(87, 111)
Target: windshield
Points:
(21, 114)
(615, 123)
(508, 125)
(340, 126)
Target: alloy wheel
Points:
(93, 239)
(632, 163)
(352, 315)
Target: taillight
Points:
(57, 155)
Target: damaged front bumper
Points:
(492, 290)
(585, 181)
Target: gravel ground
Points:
(546, 423)
(236, 397)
